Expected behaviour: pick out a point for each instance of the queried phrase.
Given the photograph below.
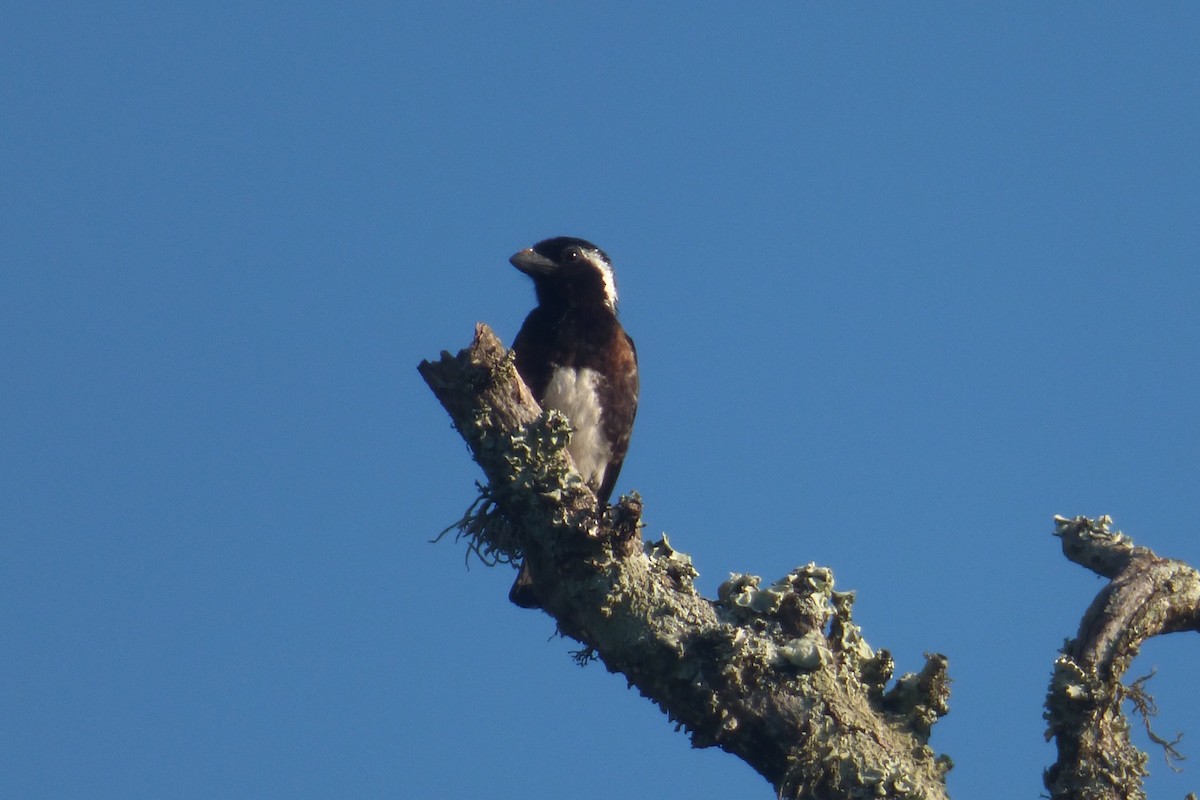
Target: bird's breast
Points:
(575, 393)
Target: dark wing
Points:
(620, 408)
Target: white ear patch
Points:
(573, 392)
(610, 284)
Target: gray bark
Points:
(1146, 596)
(778, 675)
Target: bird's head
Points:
(568, 271)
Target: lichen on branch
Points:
(1146, 596)
(780, 676)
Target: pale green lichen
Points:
(676, 565)
(489, 534)
(849, 767)
(537, 467)
(534, 455)
(809, 585)
(808, 652)
(920, 699)
(1069, 680)
(741, 592)
(844, 635)
(1099, 529)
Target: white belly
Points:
(573, 392)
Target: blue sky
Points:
(906, 280)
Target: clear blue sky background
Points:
(906, 280)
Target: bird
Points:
(577, 359)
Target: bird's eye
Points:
(571, 255)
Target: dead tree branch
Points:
(1146, 596)
(778, 675)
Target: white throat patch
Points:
(573, 392)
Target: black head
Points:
(568, 270)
